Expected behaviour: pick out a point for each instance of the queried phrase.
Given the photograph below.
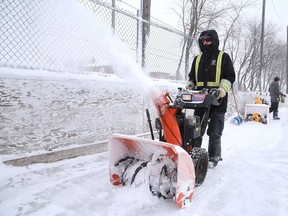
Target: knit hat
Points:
(276, 79)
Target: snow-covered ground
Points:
(43, 111)
(251, 180)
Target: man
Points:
(275, 94)
(212, 69)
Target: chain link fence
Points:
(71, 35)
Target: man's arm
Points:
(191, 76)
(228, 71)
(227, 76)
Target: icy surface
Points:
(44, 110)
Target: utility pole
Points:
(262, 45)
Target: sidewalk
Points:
(65, 153)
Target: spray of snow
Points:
(84, 36)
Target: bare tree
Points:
(233, 20)
(199, 15)
(249, 60)
(246, 48)
(240, 38)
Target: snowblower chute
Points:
(174, 165)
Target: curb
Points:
(63, 154)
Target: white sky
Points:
(276, 11)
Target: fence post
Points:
(113, 16)
(139, 39)
(145, 7)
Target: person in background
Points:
(212, 69)
(275, 97)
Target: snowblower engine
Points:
(190, 125)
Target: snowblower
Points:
(172, 166)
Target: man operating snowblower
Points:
(174, 165)
(211, 69)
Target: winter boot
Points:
(213, 161)
(275, 116)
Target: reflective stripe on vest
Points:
(218, 70)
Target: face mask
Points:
(207, 49)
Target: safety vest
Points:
(218, 70)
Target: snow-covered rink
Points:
(251, 180)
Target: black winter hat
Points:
(276, 79)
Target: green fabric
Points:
(218, 70)
(225, 84)
(190, 84)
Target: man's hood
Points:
(215, 39)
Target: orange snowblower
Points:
(172, 166)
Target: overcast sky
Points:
(276, 11)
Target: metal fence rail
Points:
(70, 35)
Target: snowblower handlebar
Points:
(196, 98)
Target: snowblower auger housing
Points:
(172, 166)
(170, 172)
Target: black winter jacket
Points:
(274, 90)
(207, 67)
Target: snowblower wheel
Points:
(200, 160)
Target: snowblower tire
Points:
(200, 160)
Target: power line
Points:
(153, 18)
(129, 5)
(277, 14)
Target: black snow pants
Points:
(274, 109)
(215, 125)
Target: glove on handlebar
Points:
(214, 92)
(224, 87)
(190, 85)
(221, 93)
